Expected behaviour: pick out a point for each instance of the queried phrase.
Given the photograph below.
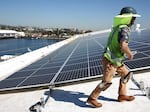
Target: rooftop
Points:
(73, 98)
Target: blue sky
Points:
(81, 14)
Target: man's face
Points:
(132, 20)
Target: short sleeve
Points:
(123, 35)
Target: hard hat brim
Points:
(128, 15)
(136, 15)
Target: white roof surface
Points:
(8, 31)
(73, 98)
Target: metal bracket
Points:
(39, 106)
(140, 85)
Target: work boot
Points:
(92, 99)
(94, 103)
(125, 98)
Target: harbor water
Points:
(20, 46)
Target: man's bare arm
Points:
(125, 48)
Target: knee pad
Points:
(125, 79)
(104, 85)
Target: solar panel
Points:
(76, 61)
(143, 63)
(140, 43)
(71, 75)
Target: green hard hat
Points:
(129, 11)
(125, 16)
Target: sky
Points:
(81, 14)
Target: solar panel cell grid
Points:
(47, 70)
(92, 58)
(37, 80)
(20, 74)
(75, 66)
(96, 70)
(147, 52)
(53, 64)
(139, 55)
(74, 61)
(76, 74)
(95, 63)
(138, 64)
(11, 83)
(143, 49)
(137, 46)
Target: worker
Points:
(114, 54)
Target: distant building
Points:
(11, 33)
